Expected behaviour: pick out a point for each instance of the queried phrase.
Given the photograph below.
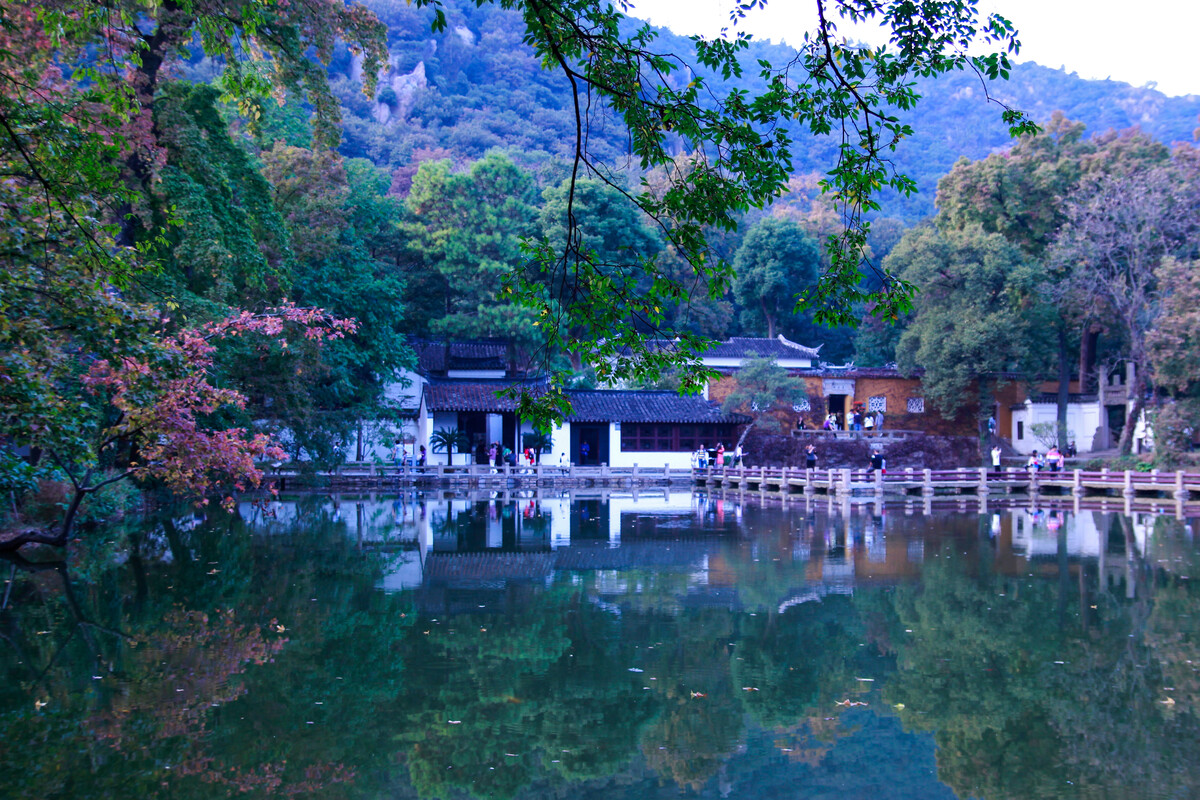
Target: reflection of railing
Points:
(1179, 485)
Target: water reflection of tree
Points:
(334, 696)
(1027, 691)
(175, 694)
(799, 663)
(522, 695)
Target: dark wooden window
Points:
(641, 437)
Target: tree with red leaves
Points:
(155, 412)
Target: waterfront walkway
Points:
(1176, 485)
(1181, 486)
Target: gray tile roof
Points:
(590, 406)
(777, 348)
(629, 406)
(470, 396)
(438, 357)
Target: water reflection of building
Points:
(713, 548)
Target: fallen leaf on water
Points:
(1170, 701)
(635, 669)
(749, 688)
(699, 694)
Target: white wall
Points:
(380, 438)
(1082, 421)
(736, 363)
(561, 441)
(617, 458)
(437, 421)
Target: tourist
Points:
(991, 426)
(1071, 451)
(421, 460)
(878, 420)
(399, 454)
(877, 462)
(491, 453)
(1035, 462)
(720, 454)
(869, 422)
(1053, 457)
(996, 457)
(810, 457)
(584, 449)
(529, 456)
(737, 456)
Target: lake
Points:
(607, 645)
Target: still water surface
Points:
(661, 646)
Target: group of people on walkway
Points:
(859, 421)
(1054, 461)
(705, 457)
(878, 462)
(401, 458)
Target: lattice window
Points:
(877, 404)
(802, 405)
(657, 437)
(916, 405)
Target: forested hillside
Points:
(474, 87)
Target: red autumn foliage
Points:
(161, 401)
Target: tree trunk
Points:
(1064, 386)
(770, 319)
(81, 492)
(745, 433)
(986, 402)
(1139, 402)
(23, 538)
(1088, 342)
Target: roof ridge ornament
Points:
(797, 346)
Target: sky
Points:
(1099, 39)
